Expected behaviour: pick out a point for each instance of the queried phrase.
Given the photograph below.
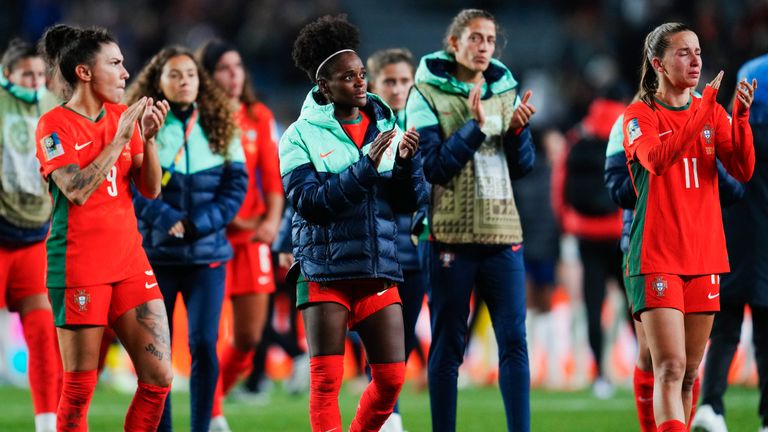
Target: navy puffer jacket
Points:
(344, 226)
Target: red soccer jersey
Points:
(98, 242)
(258, 137)
(356, 128)
(678, 227)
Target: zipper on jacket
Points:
(371, 219)
(187, 194)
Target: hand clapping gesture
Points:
(409, 144)
(153, 118)
(475, 105)
(380, 145)
(523, 112)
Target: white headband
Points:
(317, 73)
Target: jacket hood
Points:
(437, 69)
(320, 113)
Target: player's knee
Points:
(388, 378)
(246, 340)
(159, 376)
(671, 369)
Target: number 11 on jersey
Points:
(693, 168)
(112, 179)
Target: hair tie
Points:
(317, 73)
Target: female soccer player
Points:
(620, 188)
(346, 169)
(25, 212)
(475, 135)
(677, 246)
(98, 274)
(184, 232)
(390, 74)
(250, 278)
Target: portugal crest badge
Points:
(659, 286)
(82, 298)
(708, 133)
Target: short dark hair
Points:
(18, 49)
(66, 47)
(380, 59)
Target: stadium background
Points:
(566, 51)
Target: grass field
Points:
(480, 410)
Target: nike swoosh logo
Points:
(331, 430)
(325, 155)
(710, 296)
(665, 133)
(516, 248)
(148, 285)
(381, 293)
(644, 400)
(149, 272)
(82, 146)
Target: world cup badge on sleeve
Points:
(659, 286)
(51, 146)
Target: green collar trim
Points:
(353, 122)
(96, 120)
(673, 108)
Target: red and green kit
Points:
(671, 155)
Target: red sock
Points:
(233, 364)
(325, 374)
(672, 426)
(643, 386)
(76, 394)
(45, 372)
(379, 397)
(694, 400)
(146, 408)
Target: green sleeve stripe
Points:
(56, 245)
(616, 139)
(640, 179)
(418, 112)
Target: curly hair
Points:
(321, 38)
(215, 116)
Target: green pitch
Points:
(480, 410)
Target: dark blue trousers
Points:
(499, 276)
(202, 289)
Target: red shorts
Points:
(22, 273)
(688, 294)
(250, 270)
(102, 305)
(361, 297)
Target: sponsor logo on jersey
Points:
(82, 298)
(51, 146)
(633, 130)
(659, 286)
